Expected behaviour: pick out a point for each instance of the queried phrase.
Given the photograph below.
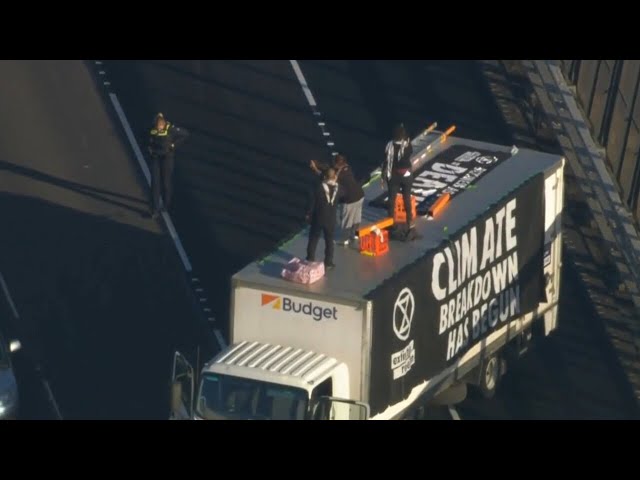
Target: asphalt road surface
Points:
(99, 289)
(101, 296)
(242, 178)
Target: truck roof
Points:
(273, 363)
(355, 274)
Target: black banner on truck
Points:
(432, 312)
(451, 171)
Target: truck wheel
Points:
(490, 376)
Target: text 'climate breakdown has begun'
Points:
(477, 282)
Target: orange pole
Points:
(448, 132)
(382, 224)
(430, 128)
(439, 204)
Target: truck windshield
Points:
(225, 397)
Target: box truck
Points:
(379, 336)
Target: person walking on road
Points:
(397, 171)
(164, 137)
(322, 216)
(352, 197)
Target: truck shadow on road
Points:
(102, 306)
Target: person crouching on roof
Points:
(352, 197)
(321, 214)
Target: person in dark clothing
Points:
(397, 171)
(163, 140)
(322, 216)
(352, 197)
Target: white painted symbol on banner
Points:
(403, 314)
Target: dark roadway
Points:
(95, 282)
(254, 136)
(98, 287)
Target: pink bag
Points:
(302, 271)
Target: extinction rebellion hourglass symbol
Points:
(403, 314)
(403, 310)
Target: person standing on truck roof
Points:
(397, 171)
(352, 197)
(322, 216)
(164, 137)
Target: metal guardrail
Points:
(612, 216)
(589, 163)
(607, 91)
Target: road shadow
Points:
(88, 191)
(104, 303)
(415, 92)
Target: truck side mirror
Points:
(14, 346)
(331, 408)
(176, 396)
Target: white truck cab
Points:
(259, 381)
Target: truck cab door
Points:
(331, 408)
(182, 385)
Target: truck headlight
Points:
(7, 400)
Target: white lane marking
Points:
(52, 399)
(177, 242)
(454, 413)
(221, 341)
(303, 83)
(130, 136)
(312, 101)
(9, 299)
(147, 175)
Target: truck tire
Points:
(490, 374)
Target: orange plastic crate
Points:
(399, 215)
(371, 244)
